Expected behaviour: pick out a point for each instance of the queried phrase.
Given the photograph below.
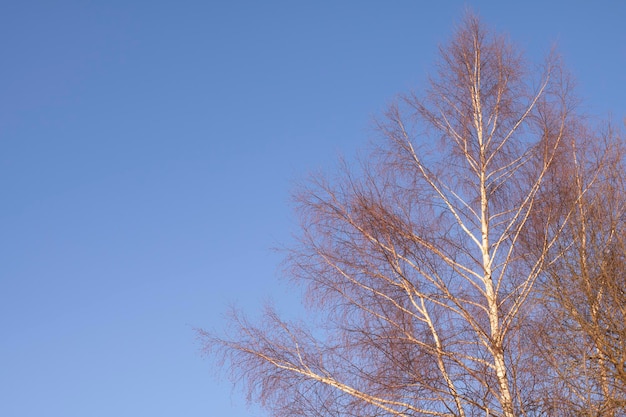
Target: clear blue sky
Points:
(147, 154)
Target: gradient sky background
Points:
(147, 154)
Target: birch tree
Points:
(415, 262)
(582, 336)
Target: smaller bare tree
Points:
(583, 332)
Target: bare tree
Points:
(582, 336)
(417, 263)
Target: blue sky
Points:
(147, 155)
